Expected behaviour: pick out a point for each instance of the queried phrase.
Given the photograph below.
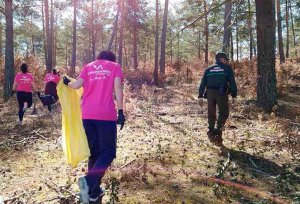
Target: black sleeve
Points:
(203, 84)
(232, 83)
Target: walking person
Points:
(217, 82)
(101, 81)
(23, 84)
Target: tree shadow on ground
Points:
(254, 165)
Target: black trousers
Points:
(102, 139)
(23, 97)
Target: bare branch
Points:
(198, 18)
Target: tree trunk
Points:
(293, 29)
(48, 38)
(66, 52)
(287, 29)
(155, 73)
(1, 39)
(237, 43)
(9, 49)
(231, 47)
(55, 42)
(227, 27)
(171, 57)
(250, 30)
(199, 45)
(164, 39)
(206, 33)
(51, 40)
(74, 43)
(32, 37)
(279, 30)
(114, 31)
(93, 34)
(120, 51)
(178, 48)
(135, 44)
(44, 34)
(266, 82)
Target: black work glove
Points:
(66, 80)
(200, 96)
(13, 92)
(121, 118)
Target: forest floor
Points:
(163, 153)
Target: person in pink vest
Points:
(102, 82)
(23, 84)
(51, 80)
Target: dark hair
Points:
(107, 55)
(24, 68)
(54, 71)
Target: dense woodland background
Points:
(150, 35)
(164, 47)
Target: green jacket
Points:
(218, 76)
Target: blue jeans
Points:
(102, 138)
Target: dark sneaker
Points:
(218, 137)
(215, 137)
(210, 133)
(218, 132)
(84, 190)
(97, 196)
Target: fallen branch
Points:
(52, 199)
(13, 198)
(245, 188)
(127, 164)
(41, 136)
(58, 189)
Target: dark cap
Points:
(222, 55)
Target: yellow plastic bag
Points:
(74, 140)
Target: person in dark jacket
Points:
(216, 84)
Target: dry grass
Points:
(163, 154)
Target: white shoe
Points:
(84, 191)
(25, 106)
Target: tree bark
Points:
(227, 27)
(250, 30)
(135, 42)
(293, 29)
(206, 33)
(44, 34)
(120, 51)
(231, 47)
(287, 29)
(164, 39)
(266, 82)
(1, 39)
(9, 49)
(279, 31)
(93, 34)
(155, 73)
(113, 35)
(237, 43)
(48, 54)
(51, 40)
(199, 45)
(74, 43)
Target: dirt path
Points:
(163, 155)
